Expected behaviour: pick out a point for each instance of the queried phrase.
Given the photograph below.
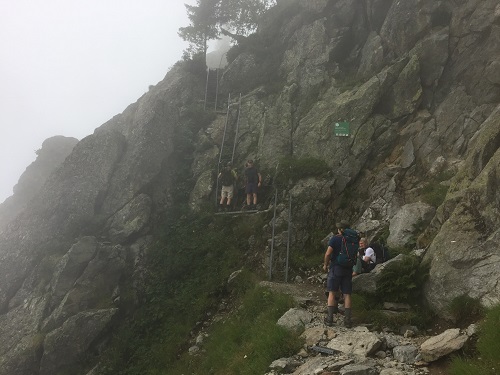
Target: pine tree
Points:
(208, 17)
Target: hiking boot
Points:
(347, 318)
(328, 322)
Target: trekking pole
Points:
(272, 236)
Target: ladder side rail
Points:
(216, 90)
(225, 129)
(272, 236)
(237, 129)
(220, 153)
(289, 233)
(206, 90)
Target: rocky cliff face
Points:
(49, 157)
(419, 83)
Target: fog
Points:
(67, 67)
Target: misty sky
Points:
(68, 66)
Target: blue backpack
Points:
(349, 250)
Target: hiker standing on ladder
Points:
(228, 178)
(253, 181)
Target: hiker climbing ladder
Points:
(229, 139)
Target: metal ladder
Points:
(211, 89)
(225, 135)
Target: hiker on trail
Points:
(339, 259)
(253, 181)
(227, 178)
(369, 259)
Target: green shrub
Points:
(368, 309)
(293, 169)
(486, 361)
(434, 192)
(247, 340)
(403, 281)
(465, 310)
(187, 271)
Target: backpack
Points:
(349, 250)
(227, 177)
(381, 252)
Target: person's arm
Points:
(369, 255)
(260, 179)
(326, 261)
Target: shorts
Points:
(227, 191)
(251, 188)
(339, 278)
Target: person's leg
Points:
(347, 290)
(254, 199)
(221, 203)
(357, 269)
(248, 191)
(332, 304)
(230, 196)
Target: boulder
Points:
(405, 353)
(438, 346)
(295, 319)
(367, 282)
(359, 342)
(403, 225)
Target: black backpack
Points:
(381, 252)
(349, 250)
(227, 177)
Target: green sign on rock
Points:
(341, 129)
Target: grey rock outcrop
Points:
(418, 83)
(49, 157)
(64, 256)
(402, 224)
(63, 346)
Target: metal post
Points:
(237, 129)
(288, 241)
(206, 90)
(216, 90)
(220, 153)
(272, 238)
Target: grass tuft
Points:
(486, 361)
(247, 341)
(465, 310)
